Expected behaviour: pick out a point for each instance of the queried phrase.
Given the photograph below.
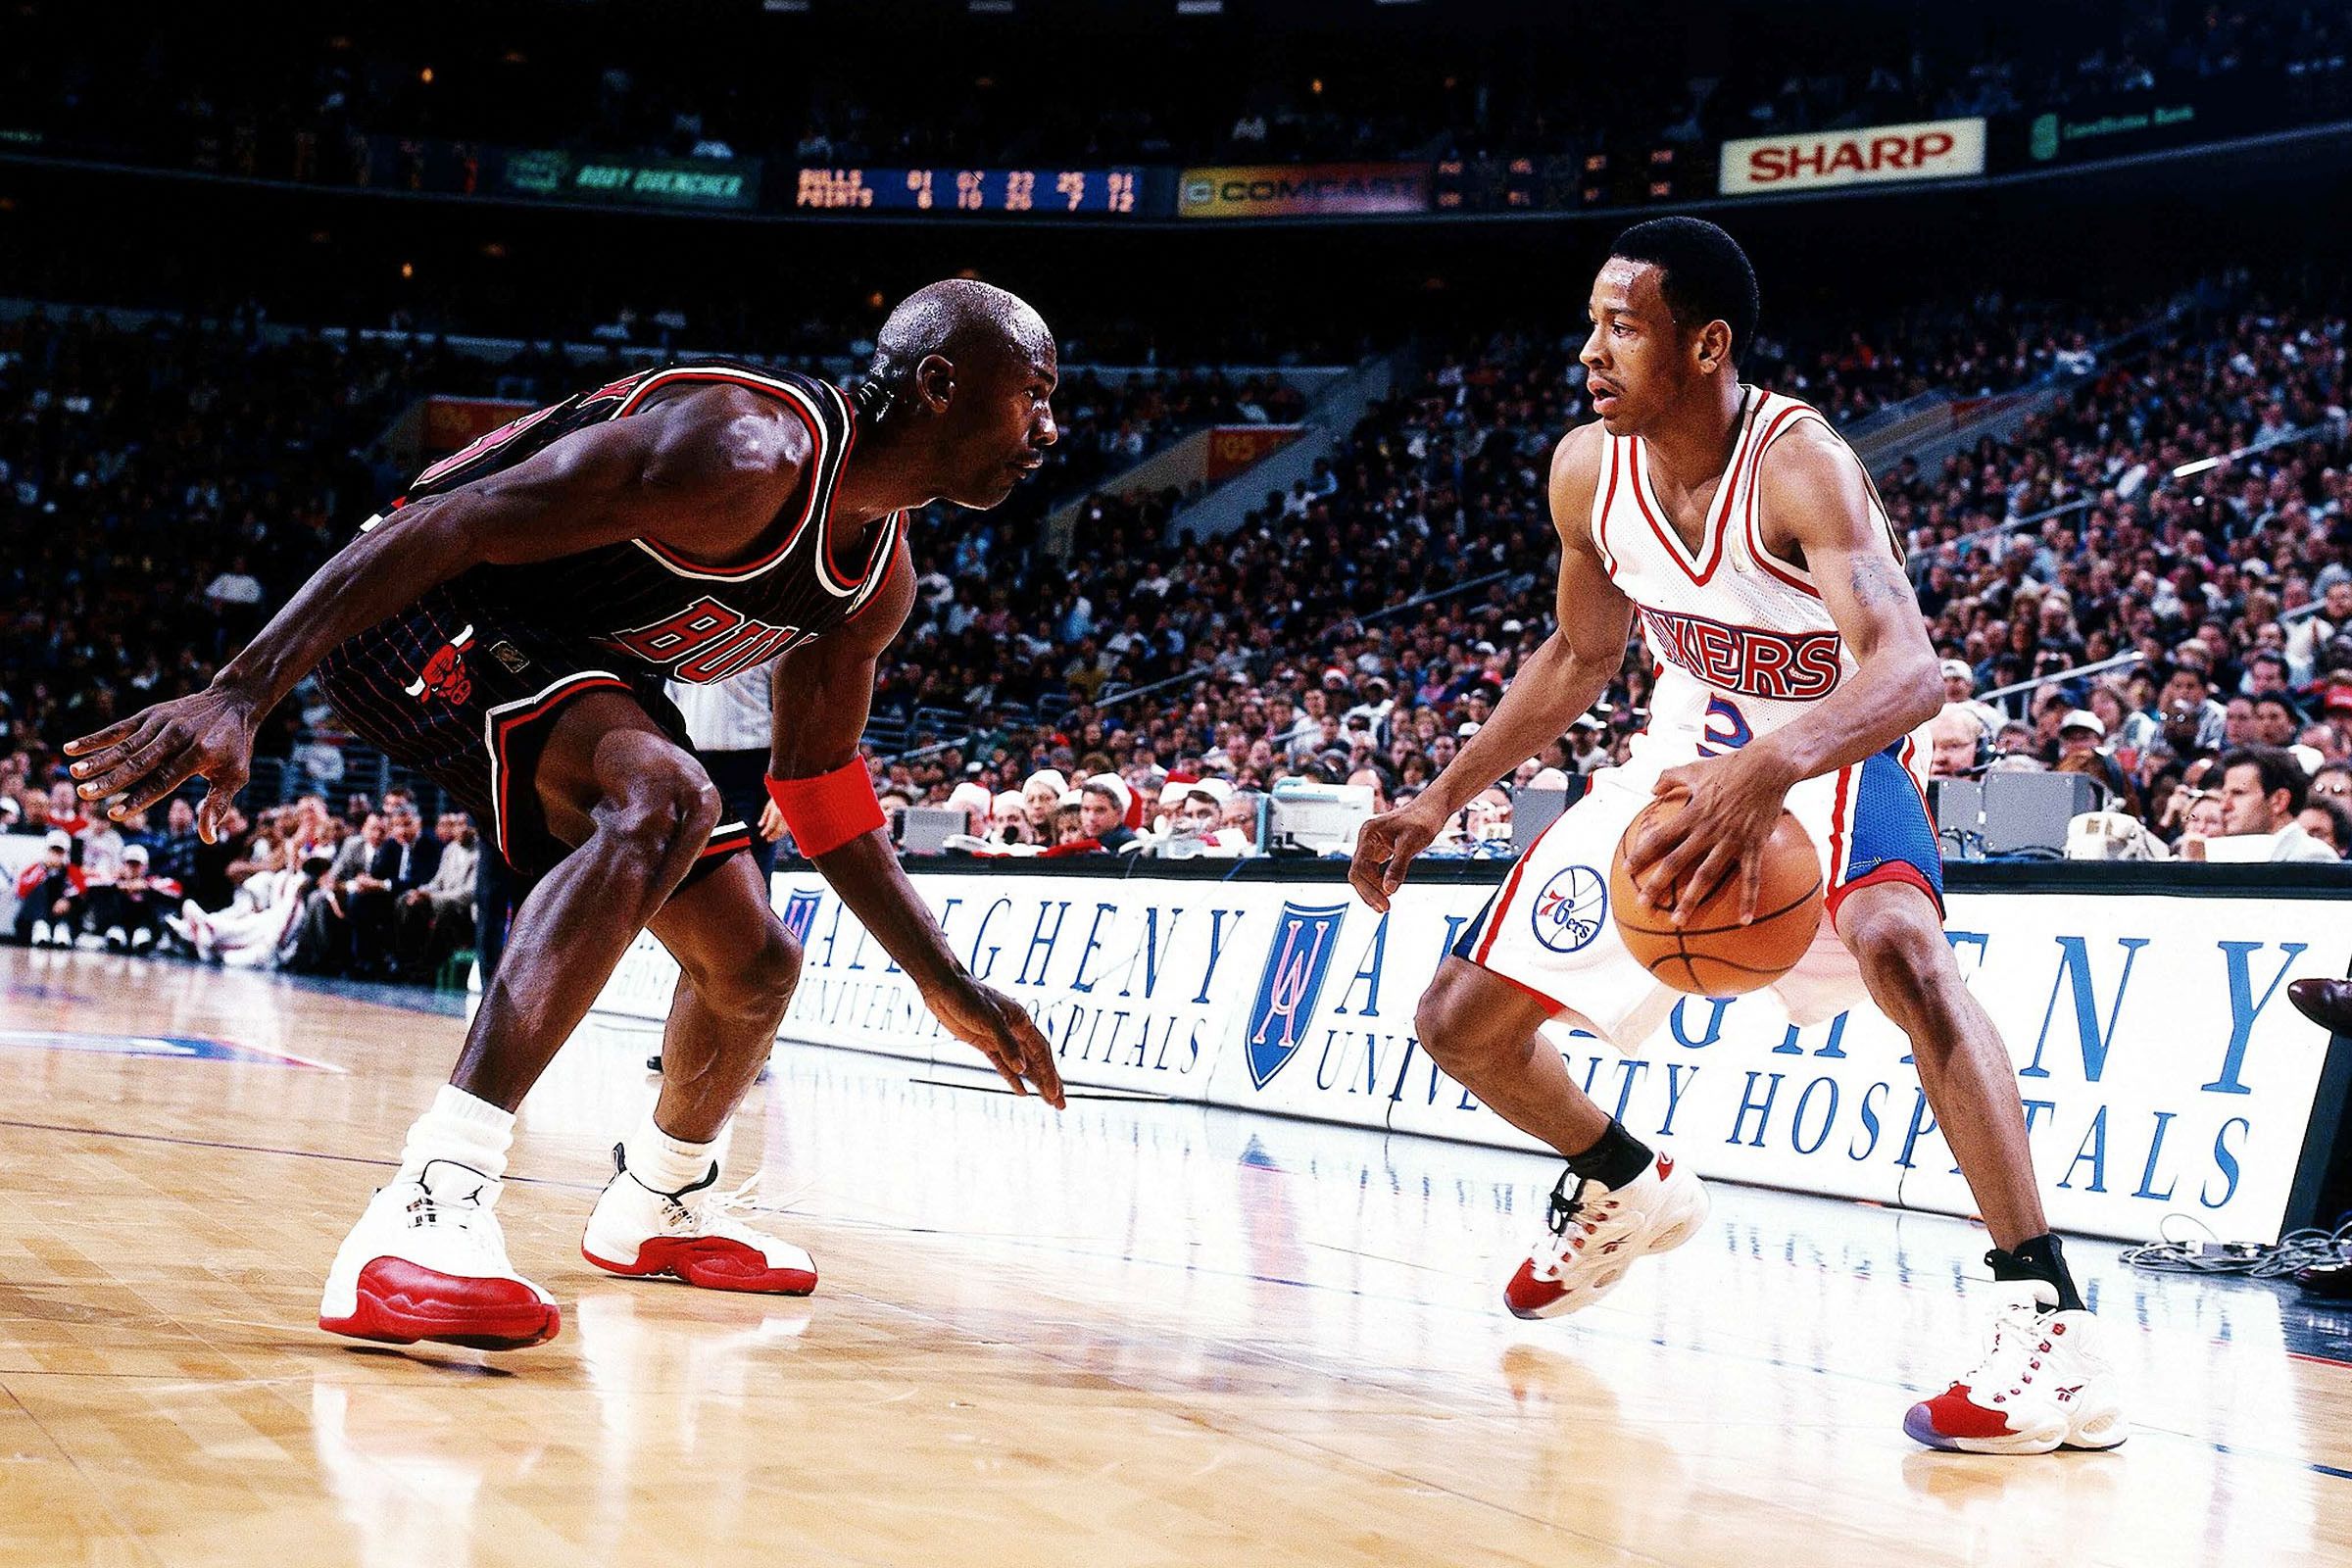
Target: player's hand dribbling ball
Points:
(1711, 954)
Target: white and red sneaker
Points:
(2041, 1386)
(689, 1235)
(428, 1261)
(1594, 1234)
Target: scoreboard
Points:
(1100, 192)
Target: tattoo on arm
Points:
(1877, 582)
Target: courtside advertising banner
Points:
(1303, 190)
(1874, 154)
(2162, 1070)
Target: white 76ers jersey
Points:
(1741, 641)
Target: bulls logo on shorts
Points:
(444, 674)
(1570, 911)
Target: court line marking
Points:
(265, 1148)
(105, 1496)
(2140, 1428)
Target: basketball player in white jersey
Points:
(1793, 670)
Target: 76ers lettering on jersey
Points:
(1741, 638)
(1746, 660)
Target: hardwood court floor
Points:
(1136, 1334)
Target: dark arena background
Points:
(1310, 294)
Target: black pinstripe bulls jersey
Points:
(644, 602)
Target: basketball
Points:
(1713, 955)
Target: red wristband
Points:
(828, 810)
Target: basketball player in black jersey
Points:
(506, 628)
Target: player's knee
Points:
(663, 814)
(1448, 1026)
(758, 976)
(1908, 966)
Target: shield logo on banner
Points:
(1303, 938)
(800, 912)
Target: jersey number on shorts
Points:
(1733, 731)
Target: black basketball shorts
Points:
(466, 696)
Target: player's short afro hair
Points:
(1706, 274)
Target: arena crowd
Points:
(170, 485)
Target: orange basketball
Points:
(1712, 954)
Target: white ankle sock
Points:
(471, 1132)
(667, 1164)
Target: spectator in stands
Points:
(2262, 794)
(174, 858)
(324, 942)
(2203, 817)
(65, 810)
(2308, 637)
(99, 851)
(1103, 810)
(1195, 822)
(402, 863)
(1009, 818)
(221, 866)
(2014, 750)
(2191, 721)
(129, 910)
(49, 894)
(1959, 736)
(1959, 691)
(2275, 721)
(1041, 795)
(2081, 737)
(2328, 820)
(436, 918)
(257, 927)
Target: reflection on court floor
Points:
(1136, 1333)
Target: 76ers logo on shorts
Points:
(444, 674)
(1569, 911)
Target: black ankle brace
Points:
(1618, 1159)
(2038, 1257)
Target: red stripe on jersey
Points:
(1910, 754)
(482, 447)
(1837, 830)
(896, 526)
(1608, 499)
(816, 449)
(1699, 571)
(1756, 535)
(537, 711)
(1502, 905)
(824, 544)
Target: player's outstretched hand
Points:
(144, 758)
(999, 1029)
(1385, 847)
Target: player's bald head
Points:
(964, 322)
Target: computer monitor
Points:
(1319, 817)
